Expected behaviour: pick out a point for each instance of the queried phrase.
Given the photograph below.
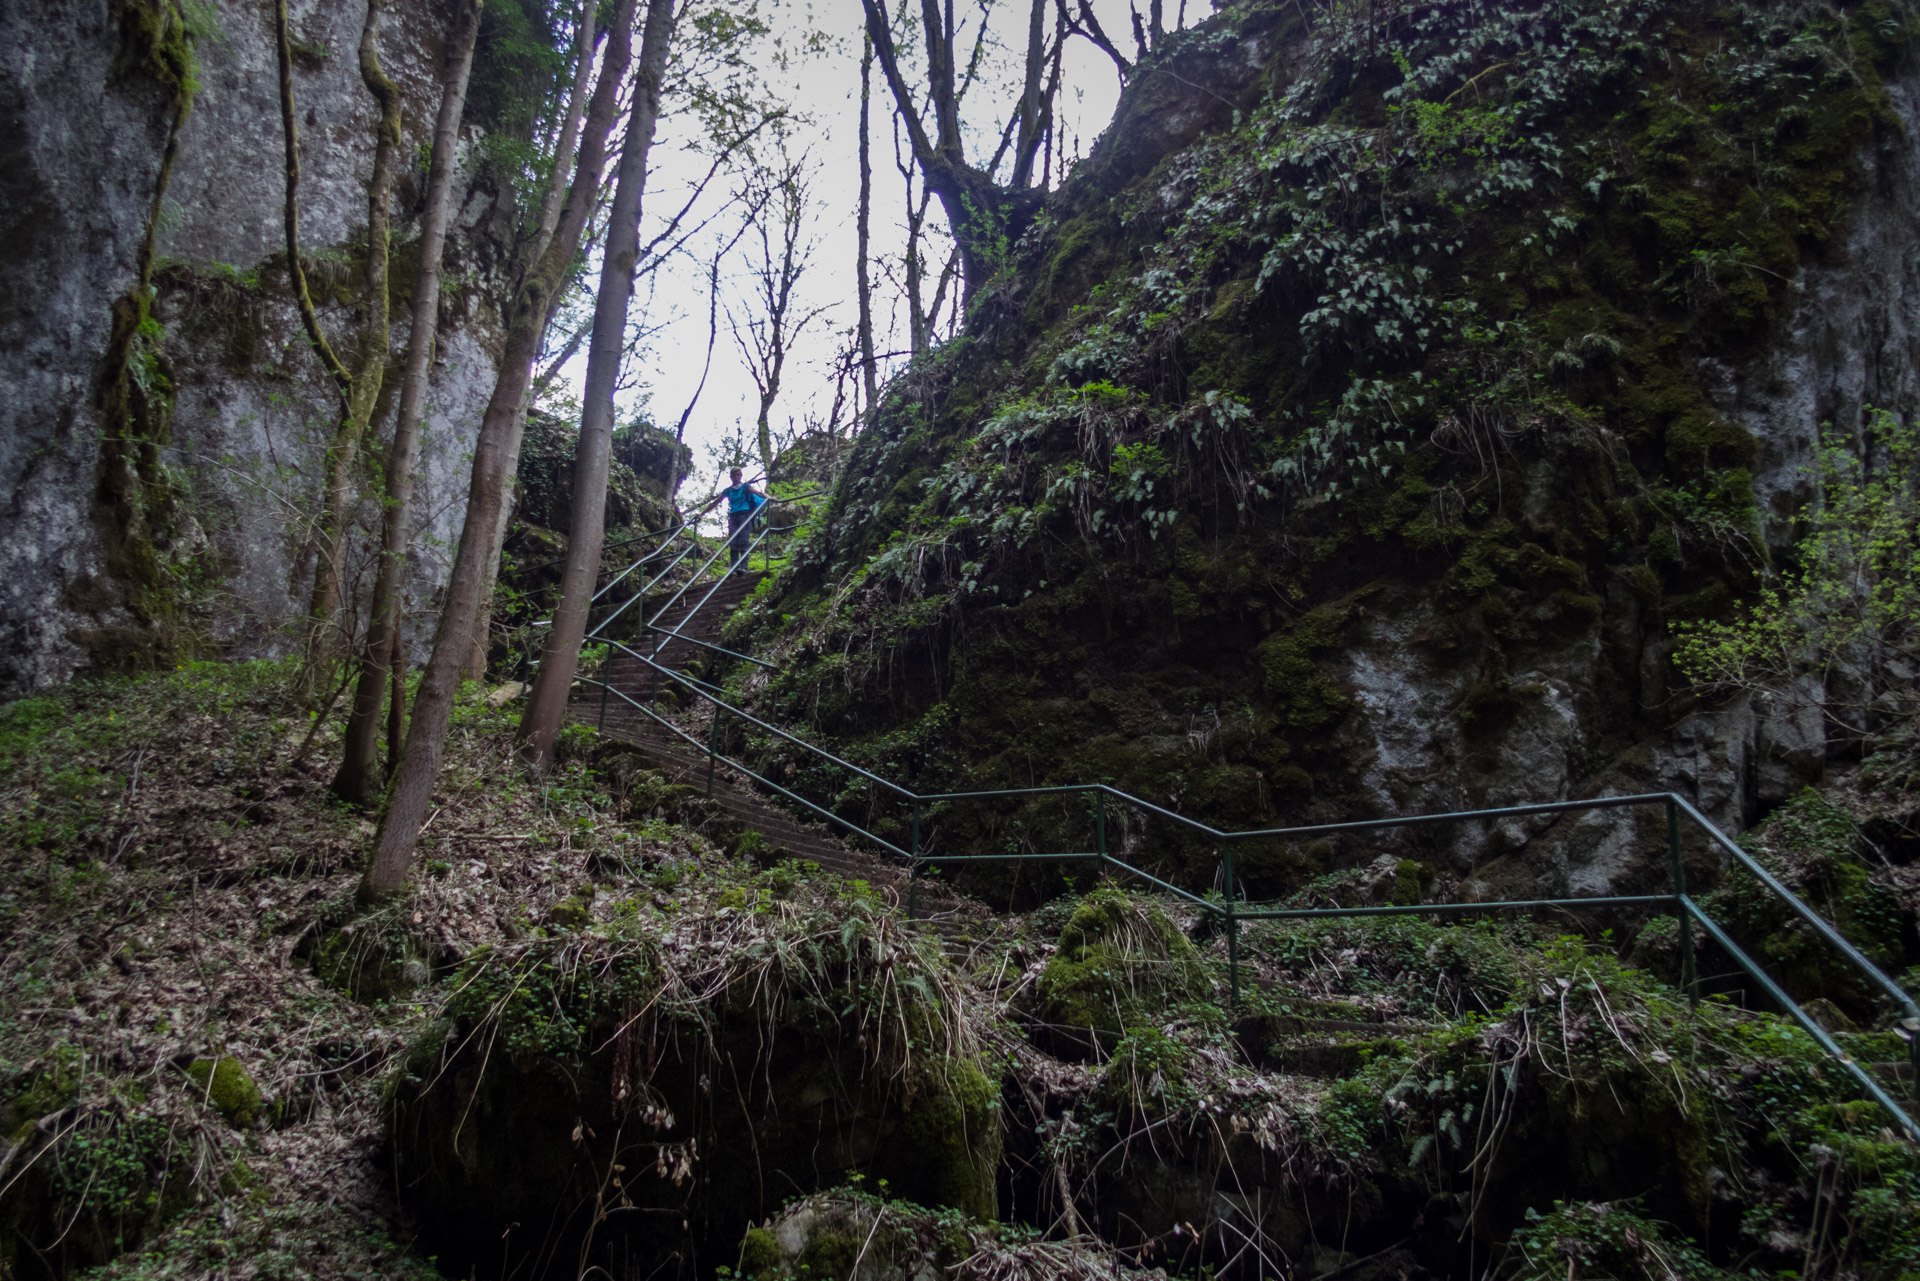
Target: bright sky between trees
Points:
(811, 61)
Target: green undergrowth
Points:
(843, 1042)
(195, 1020)
(1117, 962)
(784, 943)
(1512, 1068)
(1815, 848)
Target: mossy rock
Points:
(372, 958)
(515, 1109)
(953, 1125)
(846, 1235)
(224, 1083)
(573, 913)
(1120, 962)
(759, 1253)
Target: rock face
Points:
(82, 149)
(1210, 505)
(587, 1104)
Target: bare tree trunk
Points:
(497, 442)
(311, 677)
(713, 333)
(766, 340)
(476, 664)
(375, 344)
(1032, 105)
(547, 704)
(569, 134)
(397, 705)
(359, 779)
(870, 378)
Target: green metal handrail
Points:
(1676, 900)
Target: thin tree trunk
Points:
(359, 779)
(863, 283)
(296, 270)
(397, 705)
(297, 280)
(713, 334)
(1032, 120)
(498, 441)
(363, 391)
(475, 668)
(569, 134)
(764, 426)
(560, 658)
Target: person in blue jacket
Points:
(743, 504)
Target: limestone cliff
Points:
(233, 477)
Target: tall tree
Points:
(547, 704)
(776, 318)
(921, 317)
(550, 206)
(358, 778)
(985, 215)
(360, 389)
(706, 367)
(863, 285)
(497, 442)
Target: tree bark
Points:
(1032, 107)
(363, 387)
(397, 705)
(475, 668)
(560, 657)
(498, 441)
(296, 270)
(870, 378)
(359, 779)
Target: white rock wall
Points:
(79, 156)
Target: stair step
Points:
(698, 617)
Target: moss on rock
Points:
(1119, 961)
(225, 1084)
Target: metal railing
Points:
(1230, 909)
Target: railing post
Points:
(1100, 828)
(1689, 974)
(605, 684)
(1913, 1053)
(913, 866)
(713, 747)
(1233, 930)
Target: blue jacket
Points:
(741, 498)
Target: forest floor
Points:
(194, 1066)
(168, 848)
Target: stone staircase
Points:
(1318, 1039)
(699, 617)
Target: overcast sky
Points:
(825, 89)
